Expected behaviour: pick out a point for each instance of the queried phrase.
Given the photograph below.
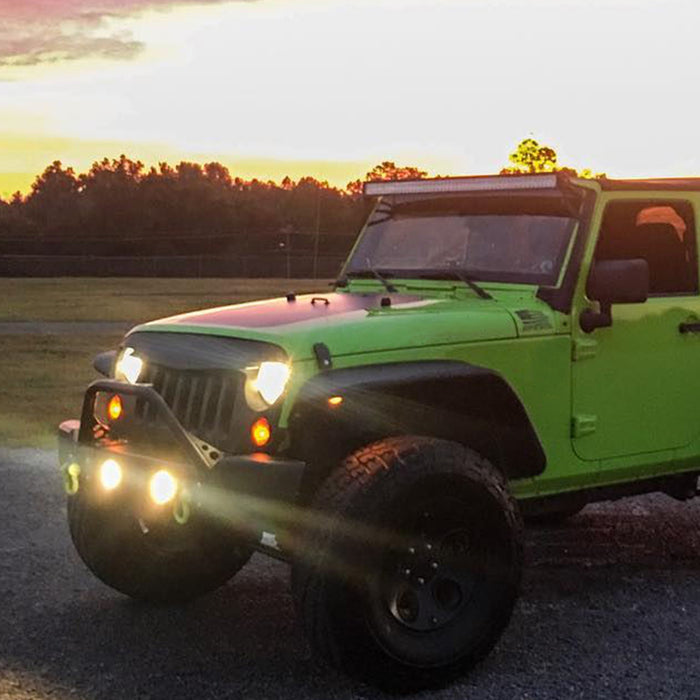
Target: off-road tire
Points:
(112, 543)
(368, 513)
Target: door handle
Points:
(689, 327)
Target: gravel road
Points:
(610, 609)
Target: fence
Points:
(273, 265)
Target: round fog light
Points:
(162, 487)
(110, 475)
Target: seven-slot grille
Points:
(204, 401)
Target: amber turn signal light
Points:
(261, 432)
(335, 401)
(114, 407)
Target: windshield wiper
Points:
(460, 275)
(377, 274)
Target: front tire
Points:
(412, 564)
(165, 563)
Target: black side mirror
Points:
(104, 362)
(614, 282)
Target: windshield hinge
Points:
(583, 424)
(584, 349)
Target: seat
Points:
(660, 246)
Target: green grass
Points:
(44, 376)
(132, 299)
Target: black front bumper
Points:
(255, 493)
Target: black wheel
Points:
(160, 561)
(411, 565)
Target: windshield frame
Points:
(554, 203)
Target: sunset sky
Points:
(331, 87)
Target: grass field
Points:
(133, 299)
(44, 376)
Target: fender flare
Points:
(444, 398)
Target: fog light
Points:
(260, 432)
(110, 475)
(114, 407)
(162, 487)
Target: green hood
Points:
(350, 323)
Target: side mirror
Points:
(104, 362)
(614, 282)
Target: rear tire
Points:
(170, 563)
(412, 565)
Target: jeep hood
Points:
(350, 323)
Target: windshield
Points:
(424, 240)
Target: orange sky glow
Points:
(329, 88)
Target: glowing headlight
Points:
(129, 366)
(271, 381)
(162, 487)
(110, 475)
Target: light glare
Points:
(271, 380)
(129, 366)
(261, 432)
(114, 407)
(162, 487)
(110, 475)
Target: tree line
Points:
(121, 207)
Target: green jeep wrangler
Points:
(496, 347)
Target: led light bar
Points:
(461, 184)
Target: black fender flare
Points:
(449, 399)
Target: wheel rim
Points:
(428, 580)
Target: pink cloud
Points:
(46, 31)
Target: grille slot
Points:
(204, 401)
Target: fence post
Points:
(318, 233)
(289, 262)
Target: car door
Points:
(636, 384)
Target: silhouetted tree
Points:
(531, 157)
(109, 196)
(386, 171)
(52, 205)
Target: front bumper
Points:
(254, 494)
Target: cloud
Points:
(47, 31)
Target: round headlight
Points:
(268, 384)
(128, 366)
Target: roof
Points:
(658, 183)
